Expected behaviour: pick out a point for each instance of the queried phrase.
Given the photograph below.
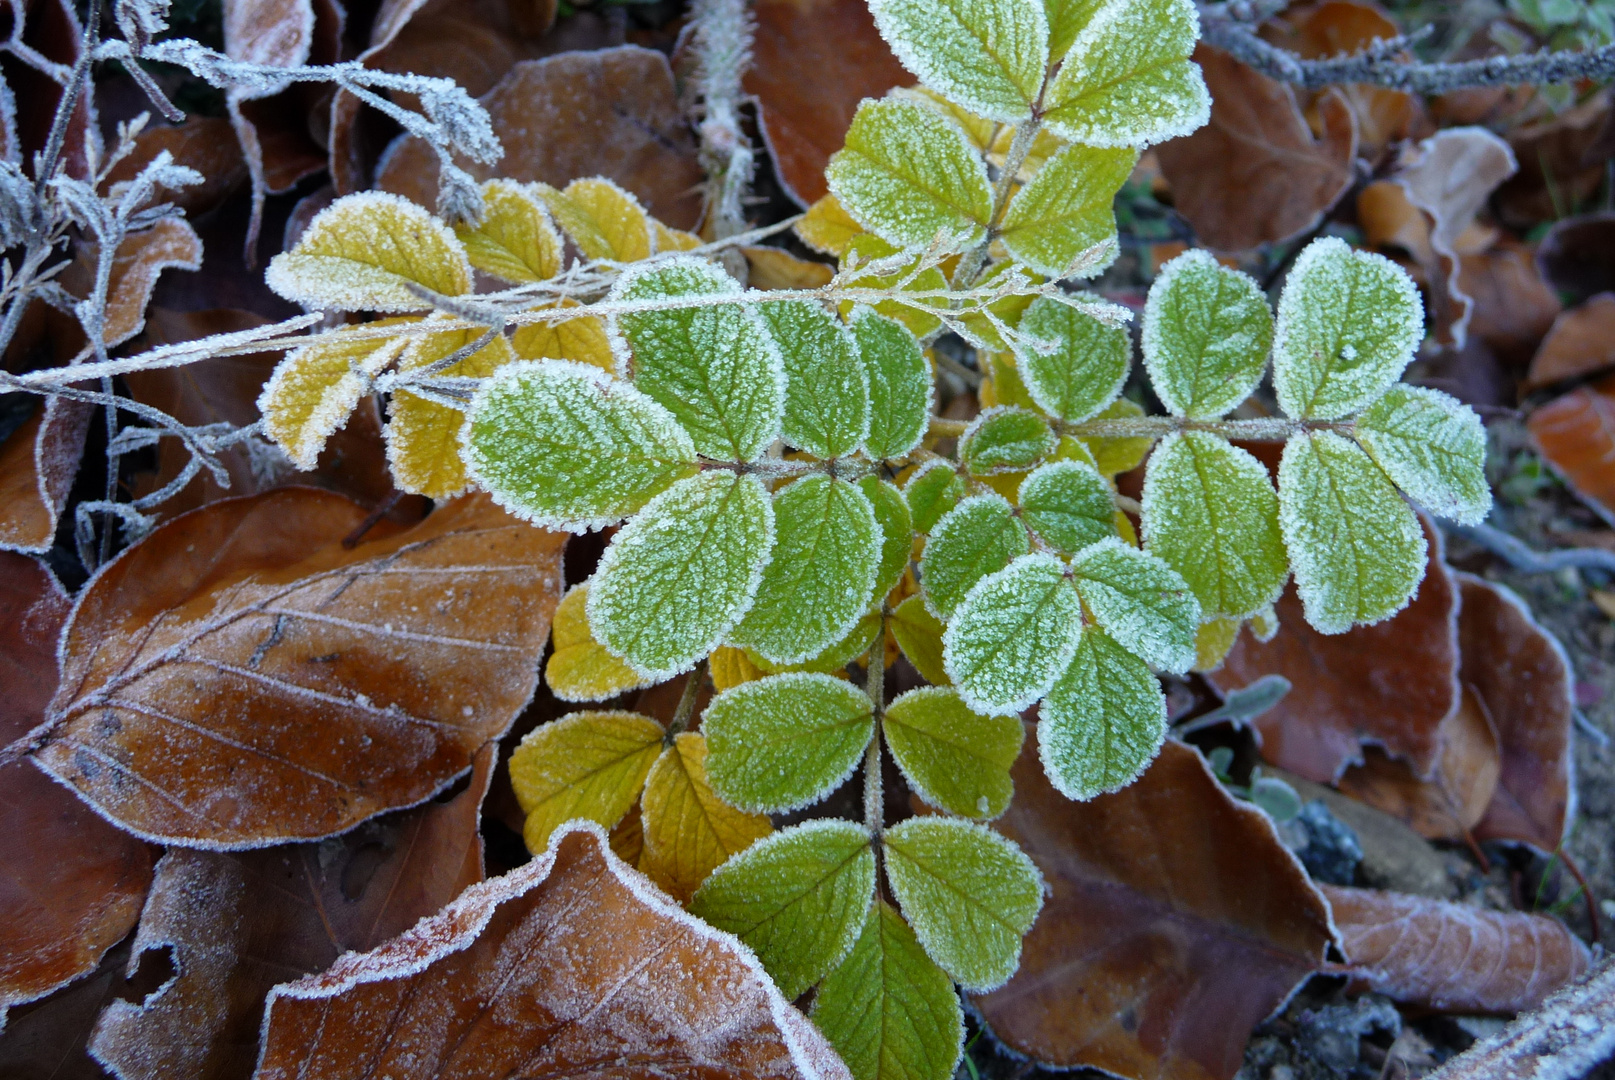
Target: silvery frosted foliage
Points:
(20, 212)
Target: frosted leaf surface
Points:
(1084, 370)
(1211, 514)
(911, 312)
(689, 830)
(1068, 504)
(715, 368)
(582, 339)
(908, 173)
(579, 667)
(988, 55)
(1349, 322)
(919, 634)
(969, 893)
(1141, 602)
(978, 537)
(566, 446)
(1005, 439)
(584, 765)
(1103, 722)
(423, 437)
(953, 757)
(603, 220)
(314, 390)
(1356, 548)
(798, 898)
(833, 657)
(1207, 331)
(1128, 80)
(515, 241)
(1118, 454)
(826, 386)
(827, 228)
(1067, 208)
(822, 573)
(678, 577)
(785, 741)
(359, 253)
(932, 490)
(1434, 447)
(899, 384)
(1066, 20)
(896, 531)
(1013, 635)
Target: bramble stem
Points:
(686, 706)
(1019, 147)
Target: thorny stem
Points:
(686, 708)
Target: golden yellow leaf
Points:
(584, 765)
(827, 228)
(580, 668)
(1213, 640)
(731, 666)
(516, 241)
(689, 831)
(775, 268)
(582, 339)
(628, 838)
(603, 220)
(670, 239)
(314, 388)
(423, 437)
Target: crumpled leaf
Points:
(689, 830)
(1575, 433)
(1336, 28)
(171, 244)
(38, 462)
(987, 56)
(588, 765)
(579, 667)
(1086, 367)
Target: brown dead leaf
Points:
(204, 143)
(1581, 342)
(1453, 957)
(37, 465)
(571, 965)
(240, 678)
(1175, 923)
(53, 29)
(171, 244)
(1577, 256)
(1575, 433)
(1562, 163)
(1512, 306)
(50, 1037)
(1343, 28)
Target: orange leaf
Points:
(37, 465)
(203, 143)
(1577, 256)
(1581, 342)
(1342, 28)
(1576, 434)
(171, 244)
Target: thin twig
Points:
(1526, 559)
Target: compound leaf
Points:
(988, 55)
(896, 531)
(919, 634)
(1005, 439)
(1140, 601)
(603, 220)
(1103, 722)
(954, 758)
(1013, 634)
(316, 387)
(1207, 330)
(978, 537)
(689, 830)
(899, 384)
(1434, 447)
(515, 241)
(584, 765)
(826, 386)
(579, 667)
(900, 276)
(423, 436)
(1085, 366)
(932, 490)
(1068, 208)
(1068, 504)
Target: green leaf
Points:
(896, 531)
(932, 490)
(1211, 514)
(1085, 366)
(1013, 634)
(978, 537)
(899, 384)
(584, 765)
(954, 758)
(907, 174)
(969, 893)
(677, 578)
(1005, 439)
(1141, 602)
(826, 387)
(1434, 447)
(818, 584)
(1207, 330)
(888, 1010)
(833, 658)
(798, 898)
(579, 667)
(919, 634)
(715, 368)
(895, 271)
(1068, 504)
(1103, 722)
(976, 320)
(1066, 20)
(1068, 208)
(987, 55)
(785, 741)
(1127, 80)
(566, 446)
(1118, 454)
(1356, 548)
(515, 240)
(1349, 322)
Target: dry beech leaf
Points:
(204, 143)
(1581, 342)
(1577, 256)
(1342, 28)
(240, 678)
(37, 465)
(1453, 957)
(1255, 174)
(1176, 922)
(1513, 306)
(571, 965)
(49, 1037)
(72, 884)
(1562, 163)
(171, 244)
(1576, 434)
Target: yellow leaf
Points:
(361, 252)
(731, 666)
(580, 668)
(774, 268)
(423, 437)
(584, 765)
(827, 228)
(1213, 640)
(689, 831)
(314, 389)
(516, 241)
(582, 339)
(603, 220)
(670, 239)
(628, 838)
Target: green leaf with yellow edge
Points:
(603, 220)
(834, 658)
(1068, 209)
(579, 667)
(566, 446)
(689, 830)
(1103, 722)
(423, 436)
(969, 894)
(1085, 364)
(786, 741)
(954, 758)
(313, 391)
(581, 338)
(887, 273)
(899, 384)
(988, 55)
(1005, 439)
(978, 537)
(362, 252)
(584, 765)
(1140, 601)
(1013, 634)
(1115, 454)
(919, 634)
(1069, 505)
(1214, 640)
(1207, 331)
(515, 241)
(896, 531)
(826, 386)
(932, 490)
(798, 898)
(1356, 548)
(1433, 447)
(1066, 20)
(827, 227)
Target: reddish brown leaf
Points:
(50, 1037)
(1342, 28)
(53, 29)
(1575, 433)
(1581, 342)
(203, 143)
(573, 964)
(240, 678)
(1453, 957)
(1513, 306)
(37, 466)
(1578, 256)
(171, 244)
(1175, 923)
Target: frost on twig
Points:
(721, 45)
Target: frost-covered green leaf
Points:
(1434, 447)
(987, 55)
(1356, 548)
(1066, 20)
(818, 584)
(1113, 455)
(1084, 369)
(1207, 330)
(1068, 504)
(1128, 80)
(834, 657)
(889, 1011)
(954, 757)
(1211, 514)
(932, 490)
(896, 531)
(978, 537)
(1013, 634)
(1349, 322)
(677, 578)
(1005, 439)
(579, 667)
(1068, 207)
(900, 276)
(899, 384)
(826, 387)
(1103, 722)
(715, 368)
(969, 893)
(566, 446)
(584, 765)
(919, 634)
(515, 240)
(907, 173)
(798, 898)
(1140, 601)
(785, 741)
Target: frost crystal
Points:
(987, 55)
(1433, 447)
(1068, 504)
(1013, 635)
